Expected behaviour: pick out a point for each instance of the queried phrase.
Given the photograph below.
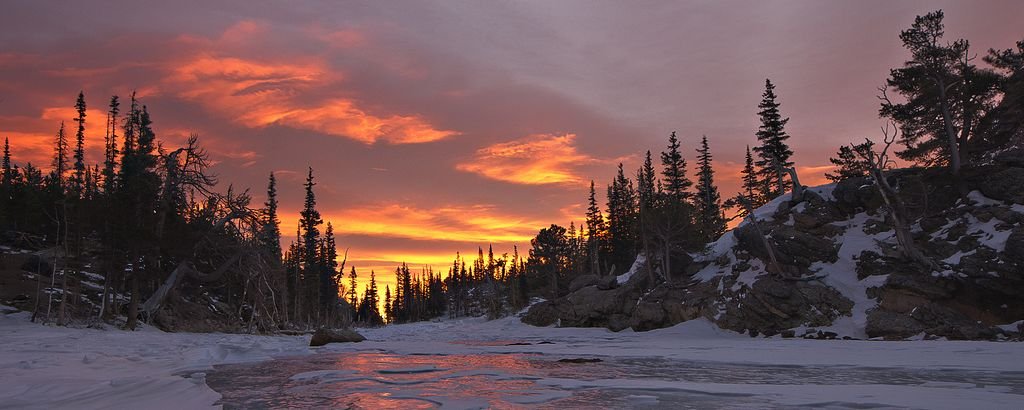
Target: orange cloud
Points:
(260, 94)
(537, 159)
(466, 224)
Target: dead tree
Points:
(752, 219)
(877, 163)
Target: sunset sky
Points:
(434, 127)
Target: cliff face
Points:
(839, 272)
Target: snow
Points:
(637, 265)
(54, 367)
(58, 367)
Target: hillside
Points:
(838, 271)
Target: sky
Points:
(434, 127)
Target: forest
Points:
(165, 239)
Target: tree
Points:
(270, 232)
(110, 144)
(60, 158)
(622, 220)
(388, 314)
(673, 172)
(877, 163)
(708, 202)
(773, 152)
(78, 178)
(595, 233)
(946, 95)
(848, 164)
(309, 221)
(351, 294)
(549, 257)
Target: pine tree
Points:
(352, 298)
(595, 233)
(329, 270)
(750, 185)
(848, 163)
(308, 223)
(5, 166)
(677, 185)
(270, 232)
(388, 314)
(645, 183)
(946, 95)
(622, 219)
(710, 219)
(773, 153)
(78, 178)
(60, 158)
(110, 143)
(373, 295)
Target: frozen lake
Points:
(516, 380)
(473, 363)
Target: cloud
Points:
(259, 94)
(452, 223)
(537, 159)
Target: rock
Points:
(37, 264)
(1015, 246)
(583, 281)
(580, 360)
(891, 325)
(324, 336)
(951, 323)
(1006, 185)
(541, 314)
(608, 282)
(788, 334)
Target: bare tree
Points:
(752, 219)
(877, 163)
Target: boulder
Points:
(1006, 185)
(583, 281)
(891, 325)
(324, 336)
(542, 314)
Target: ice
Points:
(57, 367)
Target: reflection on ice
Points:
(386, 380)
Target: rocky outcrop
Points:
(837, 258)
(324, 336)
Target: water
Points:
(375, 380)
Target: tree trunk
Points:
(133, 303)
(947, 120)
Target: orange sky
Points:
(435, 127)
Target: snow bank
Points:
(50, 367)
(637, 265)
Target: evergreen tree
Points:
(329, 280)
(595, 233)
(5, 165)
(60, 159)
(78, 177)
(710, 219)
(677, 185)
(749, 178)
(946, 96)
(352, 297)
(308, 223)
(848, 163)
(110, 143)
(388, 314)
(622, 220)
(645, 183)
(773, 153)
(270, 232)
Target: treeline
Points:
(149, 220)
(150, 223)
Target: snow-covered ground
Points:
(53, 367)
